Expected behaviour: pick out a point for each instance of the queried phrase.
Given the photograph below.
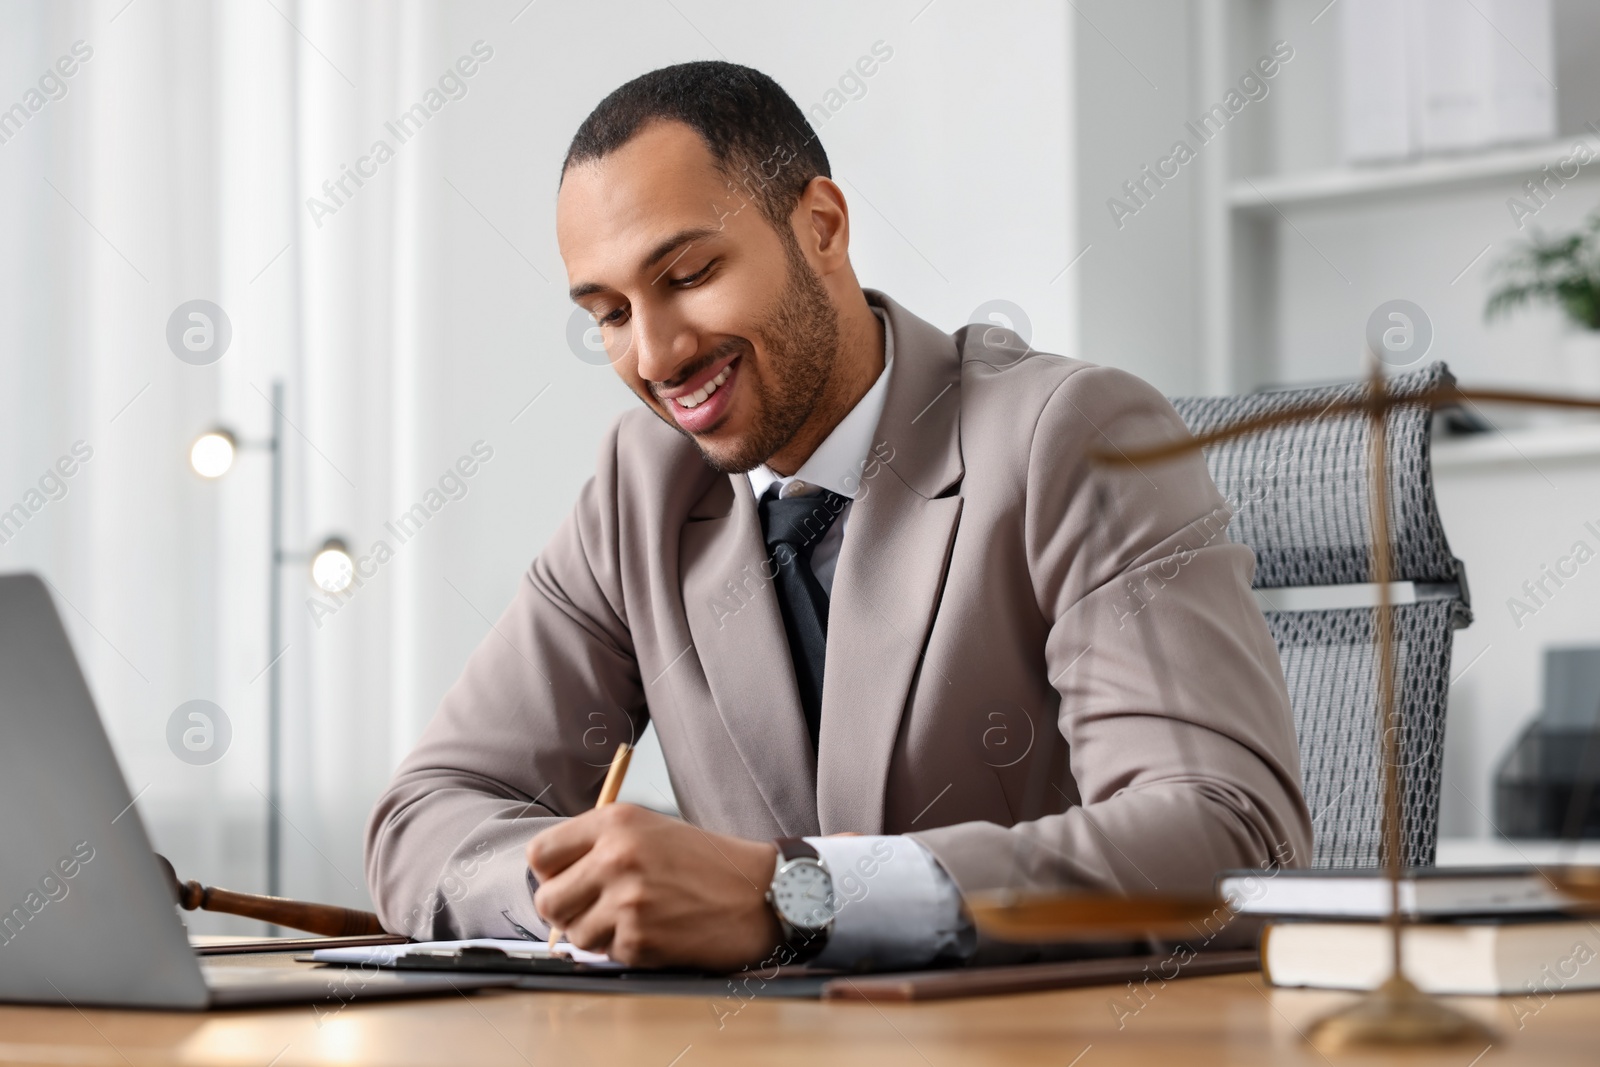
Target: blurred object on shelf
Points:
(1545, 786)
(1459, 422)
(1433, 76)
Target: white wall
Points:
(1138, 282)
(1509, 517)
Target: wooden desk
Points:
(1224, 1020)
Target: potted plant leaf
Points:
(1563, 271)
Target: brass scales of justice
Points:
(1396, 1013)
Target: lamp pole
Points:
(211, 456)
(274, 638)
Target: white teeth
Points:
(698, 397)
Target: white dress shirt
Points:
(894, 906)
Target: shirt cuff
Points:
(894, 906)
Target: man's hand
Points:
(651, 890)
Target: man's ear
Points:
(821, 222)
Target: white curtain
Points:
(174, 167)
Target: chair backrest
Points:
(1300, 496)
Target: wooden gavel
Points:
(326, 919)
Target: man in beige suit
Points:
(863, 576)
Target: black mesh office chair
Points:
(1300, 494)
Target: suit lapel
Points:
(890, 574)
(738, 634)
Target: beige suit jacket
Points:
(1051, 672)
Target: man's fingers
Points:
(593, 930)
(564, 898)
(554, 850)
(590, 868)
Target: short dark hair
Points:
(757, 134)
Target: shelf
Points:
(1261, 195)
(1491, 852)
(1517, 446)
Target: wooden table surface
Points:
(1232, 1019)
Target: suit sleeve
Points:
(521, 740)
(1172, 698)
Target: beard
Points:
(801, 334)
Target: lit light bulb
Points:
(212, 453)
(332, 568)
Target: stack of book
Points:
(1468, 930)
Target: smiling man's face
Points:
(715, 319)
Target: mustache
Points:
(729, 347)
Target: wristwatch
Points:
(801, 896)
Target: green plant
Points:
(1564, 271)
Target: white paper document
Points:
(385, 955)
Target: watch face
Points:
(803, 894)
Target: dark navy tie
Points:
(792, 527)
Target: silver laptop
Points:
(85, 914)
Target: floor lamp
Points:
(332, 569)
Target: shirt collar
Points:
(837, 463)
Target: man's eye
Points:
(613, 317)
(690, 279)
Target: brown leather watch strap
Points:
(795, 848)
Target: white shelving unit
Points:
(1356, 186)
(1295, 250)
(1464, 454)
(1492, 852)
